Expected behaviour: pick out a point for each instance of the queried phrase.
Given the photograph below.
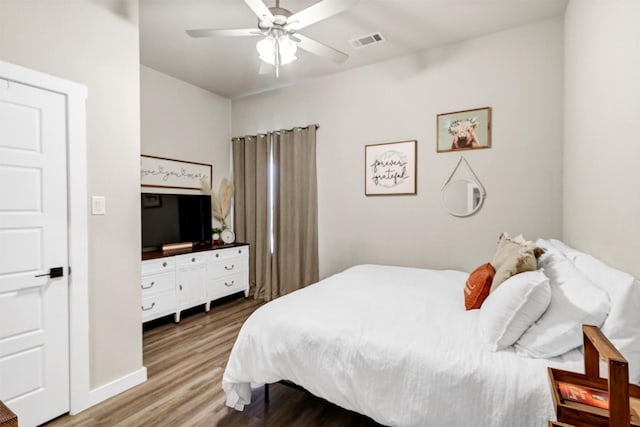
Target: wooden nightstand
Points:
(621, 397)
(7, 417)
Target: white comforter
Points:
(395, 344)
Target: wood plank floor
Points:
(185, 363)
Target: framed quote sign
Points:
(390, 168)
(170, 173)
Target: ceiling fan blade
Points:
(260, 9)
(240, 32)
(317, 48)
(317, 12)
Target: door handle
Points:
(53, 273)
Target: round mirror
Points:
(462, 197)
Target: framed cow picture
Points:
(464, 130)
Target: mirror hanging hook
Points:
(460, 160)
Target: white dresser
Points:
(172, 283)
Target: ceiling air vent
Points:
(368, 40)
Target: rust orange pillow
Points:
(478, 285)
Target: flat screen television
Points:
(173, 218)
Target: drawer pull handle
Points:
(193, 260)
(240, 251)
(148, 287)
(164, 264)
(180, 287)
(229, 268)
(217, 255)
(229, 284)
(153, 304)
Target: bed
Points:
(397, 345)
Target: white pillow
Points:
(622, 326)
(513, 307)
(566, 250)
(575, 300)
(549, 248)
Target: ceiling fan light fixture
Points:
(267, 49)
(288, 50)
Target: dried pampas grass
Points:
(221, 202)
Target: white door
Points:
(34, 309)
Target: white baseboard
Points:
(104, 392)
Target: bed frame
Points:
(283, 382)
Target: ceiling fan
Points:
(279, 29)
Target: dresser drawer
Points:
(192, 259)
(157, 266)
(157, 283)
(158, 305)
(218, 288)
(228, 266)
(224, 254)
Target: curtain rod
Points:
(278, 131)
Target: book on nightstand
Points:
(585, 395)
(592, 397)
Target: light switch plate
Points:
(98, 205)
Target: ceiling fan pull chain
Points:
(277, 57)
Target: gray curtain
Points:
(295, 222)
(251, 205)
(290, 206)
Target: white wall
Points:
(96, 43)
(602, 130)
(184, 122)
(517, 72)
